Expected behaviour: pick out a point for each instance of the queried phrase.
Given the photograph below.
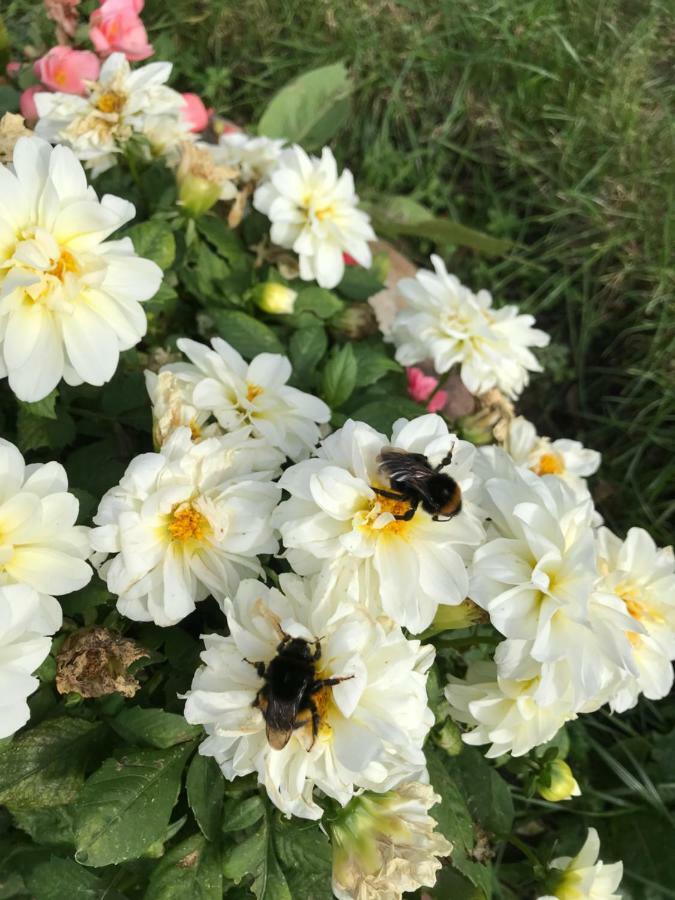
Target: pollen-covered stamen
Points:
(549, 464)
(187, 524)
(253, 391)
(111, 102)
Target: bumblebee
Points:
(413, 478)
(289, 690)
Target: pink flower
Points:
(27, 102)
(195, 113)
(438, 401)
(13, 68)
(349, 260)
(116, 27)
(420, 386)
(65, 69)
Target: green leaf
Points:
(487, 794)
(9, 99)
(226, 241)
(310, 109)
(644, 842)
(381, 414)
(339, 377)
(306, 349)
(190, 871)
(154, 240)
(240, 814)
(319, 301)
(359, 283)
(153, 727)
(52, 826)
(35, 431)
(125, 806)
(44, 766)
(257, 856)
(304, 853)
(64, 879)
(205, 790)
(372, 364)
(87, 599)
(44, 408)
(246, 334)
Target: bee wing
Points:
(399, 465)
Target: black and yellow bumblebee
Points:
(290, 686)
(412, 478)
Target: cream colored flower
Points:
(315, 212)
(201, 182)
(69, 298)
(255, 157)
(170, 393)
(584, 876)
(11, 129)
(446, 322)
(387, 844)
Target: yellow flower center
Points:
(65, 263)
(188, 524)
(253, 391)
(549, 464)
(111, 102)
(637, 608)
(397, 507)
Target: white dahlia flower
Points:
(387, 844)
(170, 395)
(121, 104)
(444, 321)
(186, 522)
(255, 157)
(24, 644)
(642, 577)
(368, 728)
(69, 299)
(584, 876)
(40, 544)
(567, 459)
(404, 568)
(221, 384)
(315, 213)
(536, 576)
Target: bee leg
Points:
(317, 652)
(409, 513)
(390, 495)
(260, 667)
(447, 459)
(316, 719)
(328, 682)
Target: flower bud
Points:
(449, 618)
(355, 322)
(201, 183)
(449, 738)
(273, 297)
(557, 782)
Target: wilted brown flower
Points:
(12, 127)
(93, 662)
(490, 422)
(64, 13)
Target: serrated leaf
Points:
(190, 871)
(487, 794)
(239, 814)
(310, 109)
(246, 334)
(64, 879)
(339, 377)
(153, 727)
(381, 414)
(306, 349)
(304, 853)
(257, 856)
(154, 240)
(125, 806)
(205, 785)
(34, 432)
(44, 766)
(372, 364)
(45, 408)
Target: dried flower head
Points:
(12, 127)
(94, 662)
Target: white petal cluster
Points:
(187, 522)
(565, 458)
(642, 576)
(387, 844)
(255, 157)
(42, 553)
(121, 104)
(372, 725)
(444, 321)
(24, 644)
(69, 299)
(402, 568)
(315, 212)
(584, 875)
(218, 385)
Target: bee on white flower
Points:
(642, 577)
(69, 299)
(401, 564)
(584, 875)
(567, 459)
(362, 714)
(121, 104)
(387, 844)
(25, 643)
(40, 544)
(315, 212)
(444, 321)
(255, 157)
(187, 522)
(219, 383)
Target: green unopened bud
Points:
(450, 618)
(381, 266)
(557, 782)
(449, 738)
(197, 195)
(355, 322)
(201, 183)
(275, 298)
